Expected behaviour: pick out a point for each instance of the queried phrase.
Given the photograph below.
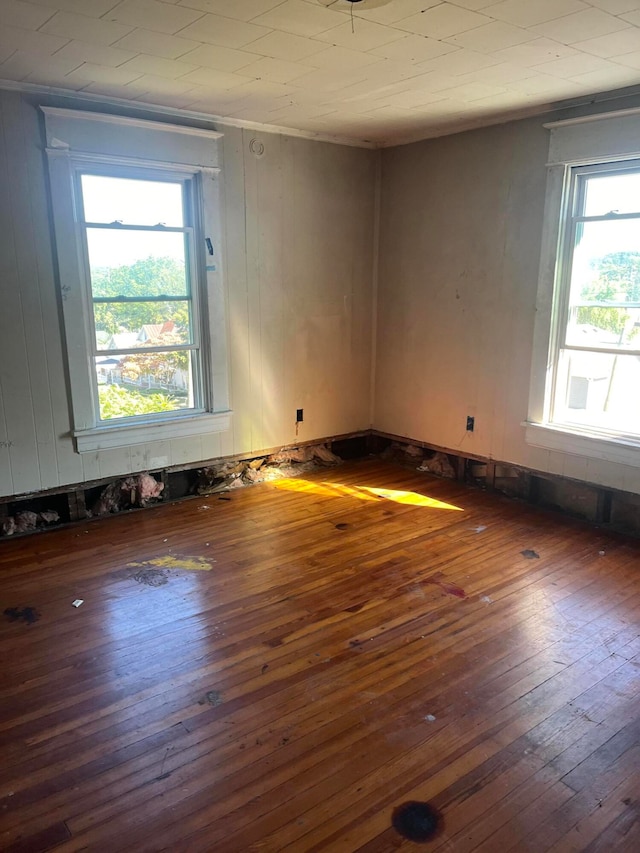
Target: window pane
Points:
(144, 383)
(132, 202)
(598, 390)
(608, 193)
(605, 284)
(136, 263)
(135, 325)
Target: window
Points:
(597, 356)
(138, 243)
(585, 389)
(138, 238)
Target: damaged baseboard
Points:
(78, 503)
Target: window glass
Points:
(144, 384)
(619, 193)
(130, 201)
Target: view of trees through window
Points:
(140, 287)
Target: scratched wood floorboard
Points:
(360, 637)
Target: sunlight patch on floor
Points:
(364, 493)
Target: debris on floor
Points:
(529, 554)
(286, 463)
(151, 577)
(416, 821)
(214, 697)
(138, 491)
(429, 718)
(487, 599)
(77, 602)
(479, 529)
(28, 615)
(190, 564)
(25, 521)
(431, 461)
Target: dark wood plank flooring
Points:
(348, 642)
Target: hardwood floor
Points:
(340, 645)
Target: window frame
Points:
(189, 179)
(92, 154)
(600, 142)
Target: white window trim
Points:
(587, 140)
(77, 138)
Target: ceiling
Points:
(400, 70)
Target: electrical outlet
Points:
(299, 416)
(471, 422)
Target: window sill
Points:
(623, 451)
(108, 437)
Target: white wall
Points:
(298, 273)
(461, 225)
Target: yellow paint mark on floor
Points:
(190, 564)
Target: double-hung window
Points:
(137, 233)
(136, 215)
(585, 395)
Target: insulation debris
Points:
(286, 463)
(26, 521)
(138, 491)
(408, 454)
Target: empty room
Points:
(320, 426)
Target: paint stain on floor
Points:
(449, 588)
(190, 564)
(530, 554)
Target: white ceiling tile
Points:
(27, 40)
(153, 15)
(632, 18)
(22, 63)
(545, 84)
(113, 90)
(491, 37)
(5, 53)
(413, 98)
(460, 62)
(90, 72)
(571, 66)
(341, 59)
(505, 73)
(414, 49)
(217, 80)
(630, 60)
(303, 19)
(85, 29)
(285, 46)
(151, 83)
(93, 8)
(241, 10)
(275, 70)
(158, 67)
(157, 44)
(322, 80)
(529, 13)
(472, 91)
(443, 21)
(214, 29)
(99, 54)
(617, 77)
(389, 14)
(616, 7)
(13, 13)
(535, 52)
(473, 5)
(365, 36)
(615, 44)
(177, 101)
(581, 26)
(220, 58)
